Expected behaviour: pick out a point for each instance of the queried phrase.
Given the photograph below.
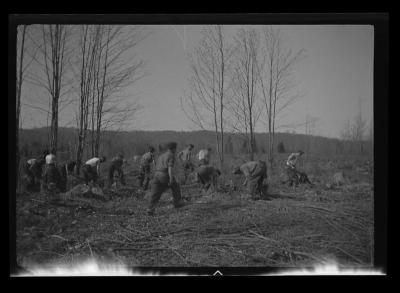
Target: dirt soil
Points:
(292, 227)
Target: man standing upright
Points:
(185, 156)
(116, 166)
(145, 169)
(255, 173)
(164, 178)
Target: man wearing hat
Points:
(164, 179)
(144, 172)
(255, 173)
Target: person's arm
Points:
(245, 182)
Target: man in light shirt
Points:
(51, 175)
(291, 167)
(91, 169)
(255, 172)
(204, 156)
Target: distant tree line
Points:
(137, 142)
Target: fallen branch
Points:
(263, 237)
(138, 248)
(57, 236)
(348, 254)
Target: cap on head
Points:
(300, 152)
(151, 149)
(191, 146)
(209, 149)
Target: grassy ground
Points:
(292, 227)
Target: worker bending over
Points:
(91, 169)
(116, 166)
(255, 172)
(145, 169)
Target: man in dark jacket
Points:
(164, 178)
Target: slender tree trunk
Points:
(19, 90)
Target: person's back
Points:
(292, 159)
(164, 178)
(248, 168)
(165, 160)
(204, 156)
(93, 162)
(51, 175)
(186, 154)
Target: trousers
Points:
(158, 185)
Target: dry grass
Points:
(289, 228)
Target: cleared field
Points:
(290, 228)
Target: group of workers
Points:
(54, 176)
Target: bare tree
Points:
(53, 64)
(277, 84)
(87, 46)
(118, 71)
(105, 70)
(20, 77)
(310, 131)
(346, 131)
(359, 127)
(209, 64)
(244, 105)
(354, 131)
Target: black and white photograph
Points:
(188, 147)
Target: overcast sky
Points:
(337, 72)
